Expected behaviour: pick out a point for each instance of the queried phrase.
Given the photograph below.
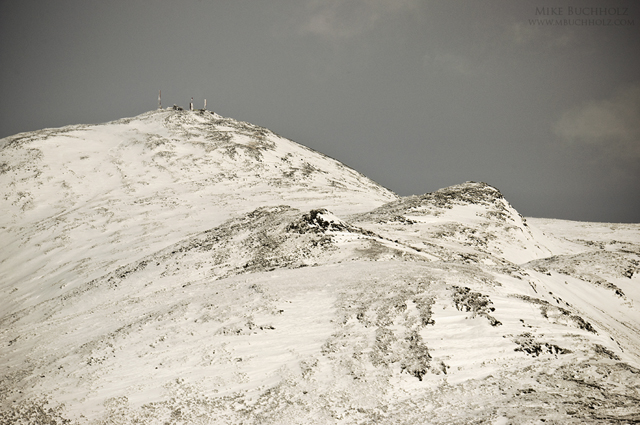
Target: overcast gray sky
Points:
(538, 98)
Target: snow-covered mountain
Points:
(81, 198)
(179, 267)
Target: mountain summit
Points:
(179, 267)
(97, 195)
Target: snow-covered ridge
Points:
(471, 217)
(184, 149)
(180, 267)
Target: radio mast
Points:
(160, 99)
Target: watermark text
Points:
(608, 22)
(582, 11)
(582, 16)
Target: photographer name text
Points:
(582, 11)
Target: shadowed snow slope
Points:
(183, 268)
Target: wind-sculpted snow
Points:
(183, 268)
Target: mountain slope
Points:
(181, 288)
(471, 218)
(81, 198)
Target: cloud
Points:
(340, 19)
(612, 124)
